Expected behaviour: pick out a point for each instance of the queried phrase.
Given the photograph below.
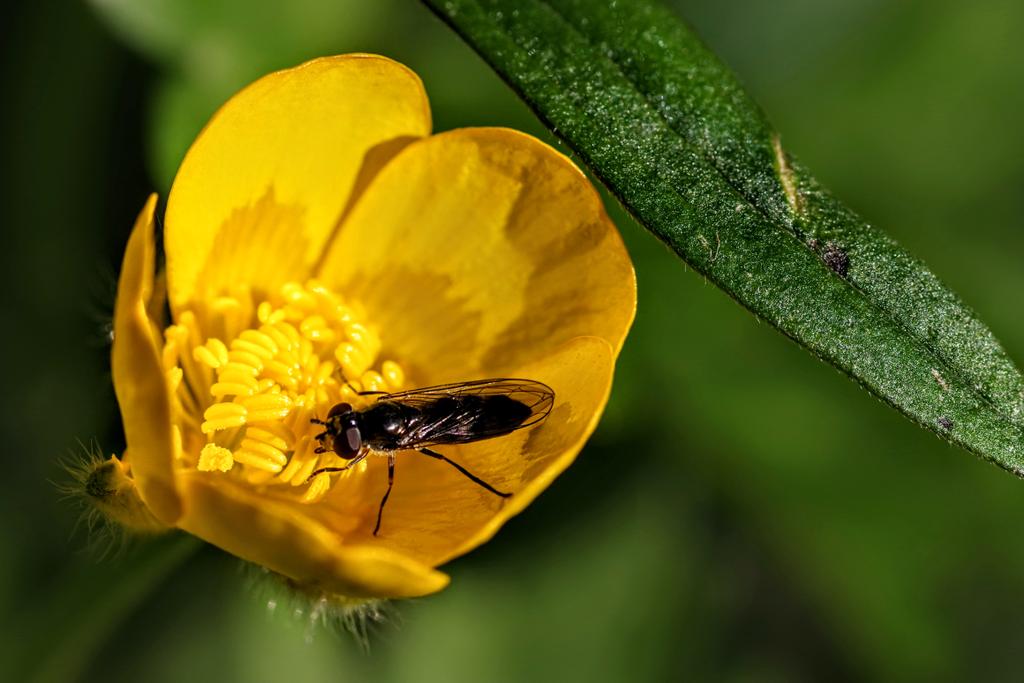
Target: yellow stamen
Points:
(221, 416)
(245, 357)
(318, 488)
(266, 407)
(260, 339)
(215, 458)
(257, 460)
(351, 359)
(393, 374)
(249, 376)
(372, 381)
(213, 353)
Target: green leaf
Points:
(667, 127)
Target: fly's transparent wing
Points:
(463, 412)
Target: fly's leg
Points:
(353, 388)
(354, 461)
(469, 475)
(391, 482)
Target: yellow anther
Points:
(315, 328)
(296, 295)
(393, 375)
(280, 372)
(338, 313)
(219, 349)
(260, 339)
(274, 434)
(300, 477)
(318, 488)
(289, 471)
(267, 407)
(265, 385)
(257, 461)
(235, 366)
(288, 331)
(358, 334)
(245, 358)
(215, 458)
(282, 340)
(264, 450)
(206, 356)
(264, 311)
(372, 381)
(323, 372)
(234, 387)
(256, 351)
(223, 416)
(347, 393)
(222, 389)
(304, 351)
(319, 395)
(213, 353)
(237, 372)
(174, 376)
(303, 452)
(351, 359)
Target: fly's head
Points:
(341, 432)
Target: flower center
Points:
(247, 381)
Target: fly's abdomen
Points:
(428, 417)
(472, 418)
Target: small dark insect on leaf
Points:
(446, 414)
(945, 423)
(836, 259)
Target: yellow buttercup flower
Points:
(320, 241)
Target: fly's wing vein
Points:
(465, 422)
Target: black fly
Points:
(441, 415)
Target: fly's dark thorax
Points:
(385, 426)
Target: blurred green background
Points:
(742, 514)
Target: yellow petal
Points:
(477, 250)
(263, 186)
(139, 380)
(435, 513)
(281, 537)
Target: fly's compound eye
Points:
(339, 409)
(349, 442)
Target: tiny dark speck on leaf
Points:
(946, 423)
(836, 259)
